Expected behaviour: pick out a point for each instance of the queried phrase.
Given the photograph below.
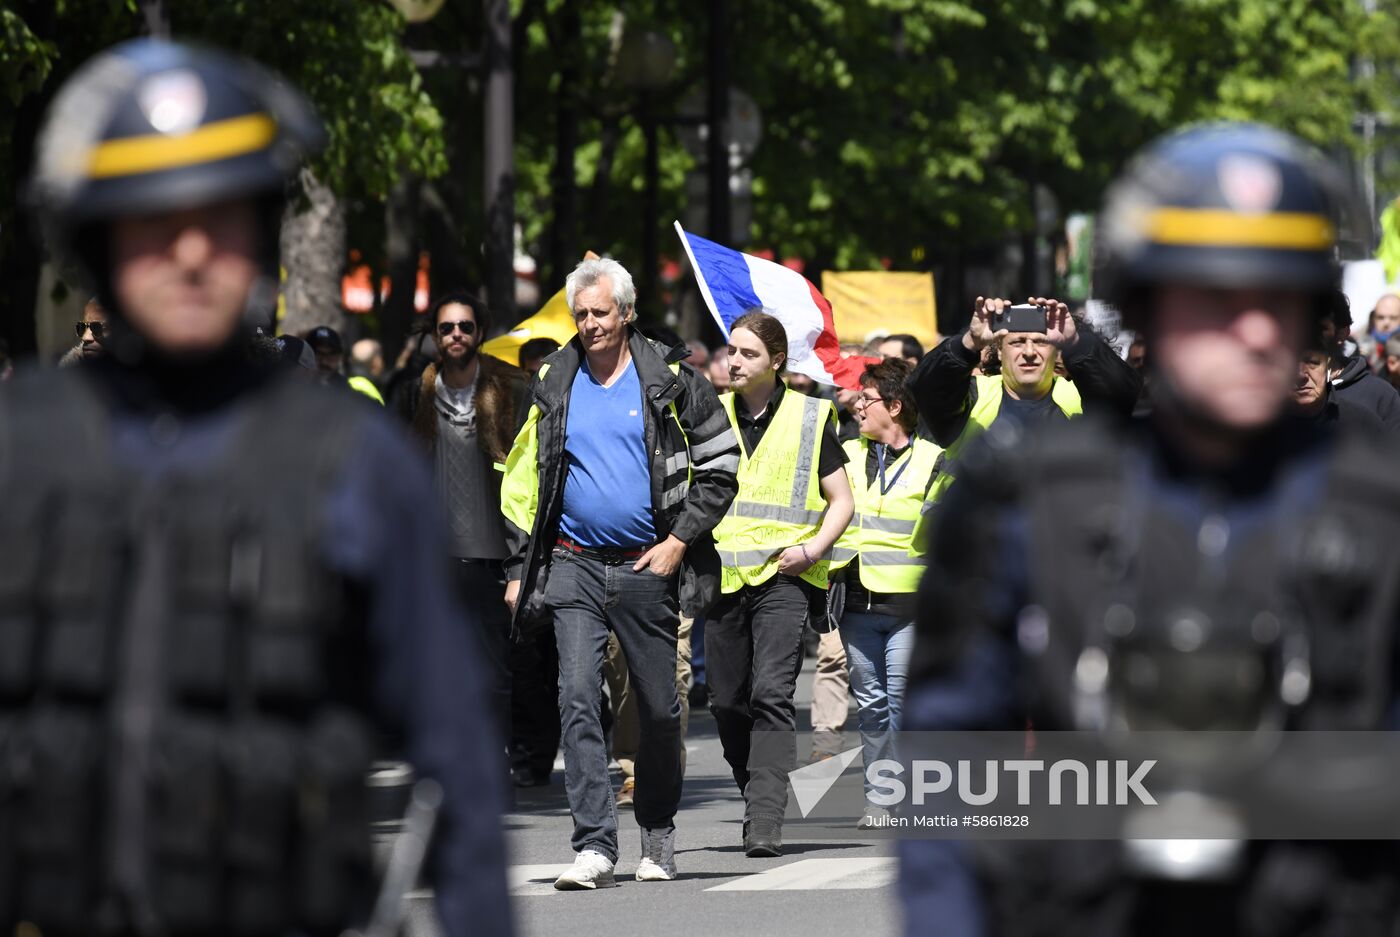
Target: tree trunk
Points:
(401, 231)
(313, 254)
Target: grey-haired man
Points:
(625, 463)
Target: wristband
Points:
(803, 547)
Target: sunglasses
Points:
(99, 330)
(466, 325)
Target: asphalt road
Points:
(828, 880)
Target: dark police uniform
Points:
(222, 589)
(1073, 526)
(1101, 538)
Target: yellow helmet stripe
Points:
(1212, 227)
(153, 152)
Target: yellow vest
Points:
(984, 413)
(365, 386)
(780, 502)
(881, 534)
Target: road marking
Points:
(534, 879)
(810, 874)
(849, 874)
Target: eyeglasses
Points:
(99, 329)
(864, 401)
(467, 326)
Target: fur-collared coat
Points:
(499, 387)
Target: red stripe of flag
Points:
(845, 372)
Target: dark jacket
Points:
(698, 440)
(499, 387)
(377, 528)
(1353, 416)
(945, 392)
(1356, 384)
(998, 552)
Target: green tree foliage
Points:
(351, 62)
(891, 125)
(348, 57)
(916, 122)
(907, 130)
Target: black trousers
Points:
(753, 653)
(534, 704)
(482, 584)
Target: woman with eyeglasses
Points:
(793, 502)
(891, 469)
(91, 331)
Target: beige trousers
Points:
(831, 690)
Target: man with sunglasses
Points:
(91, 331)
(466, 413)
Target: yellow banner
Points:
(866, 303)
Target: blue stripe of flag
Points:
(727, 276)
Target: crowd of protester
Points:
(631, 524)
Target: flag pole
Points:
(700, 279)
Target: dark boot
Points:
(763, 837)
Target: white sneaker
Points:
(874, 818)
(590, 870)
(658, 855)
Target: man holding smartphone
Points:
(959, 406)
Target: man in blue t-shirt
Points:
(625, 463)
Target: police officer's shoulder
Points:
(313, 406)
(1009, 457)
(1366, 456)
(42, 400)
(55, 395)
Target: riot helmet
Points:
(1228, 205)
(150, 127)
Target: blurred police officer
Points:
(1220, 525)
(214, 577)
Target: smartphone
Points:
(1024, 318)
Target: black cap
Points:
(293, 352)
(325, 338)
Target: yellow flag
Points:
(866, 302)
(552, 321)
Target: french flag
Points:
(734, 283)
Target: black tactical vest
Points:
(183, 684)
(1108, 564)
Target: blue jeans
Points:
(590, 597)
(877, 655)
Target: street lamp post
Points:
(646, 62)
(499, 164)
(717, 113)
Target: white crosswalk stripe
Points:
(803, 875)
(534, 879)
(825, 874)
